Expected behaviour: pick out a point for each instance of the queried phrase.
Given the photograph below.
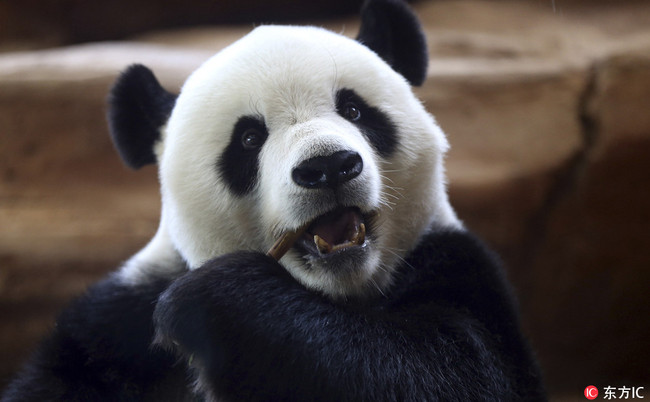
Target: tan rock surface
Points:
(590, 269)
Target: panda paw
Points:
(199, 315)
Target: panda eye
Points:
(371, 121)
(351, 112)
(252, 138)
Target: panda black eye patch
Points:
(239, 164)
(373, 123)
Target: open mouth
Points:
(335, 231)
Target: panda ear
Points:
(138, 107)
(392, 30)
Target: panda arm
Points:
(100, 349)
(252, 332)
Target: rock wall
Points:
(41, 23)
(545, 105)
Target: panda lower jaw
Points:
(334, 233)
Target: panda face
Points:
(299, 127)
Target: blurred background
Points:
(546, 104)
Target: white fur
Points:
(289, 76)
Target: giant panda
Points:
(385, 296)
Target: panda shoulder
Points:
(456, 267)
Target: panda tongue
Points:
(338, 230)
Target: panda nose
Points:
(328, 171)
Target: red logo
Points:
(591, 392)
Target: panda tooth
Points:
(357, 239)
(360, 235)
(322, 246)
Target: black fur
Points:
(138, 108)
(390, 28)
(100, 350)
(447, 331)
(373, 123)
(239, 165)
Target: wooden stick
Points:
(284, 243)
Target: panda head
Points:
(295, 127)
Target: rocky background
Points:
(546, 104)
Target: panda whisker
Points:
(394, 188)
(336, 84)
(394, 250)
(389, 198)
(383, 176)
(399, 257)
(390, 170)
(390, 186)
(393, 196)
(388, 204)
(376, 285)
(383, 268)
